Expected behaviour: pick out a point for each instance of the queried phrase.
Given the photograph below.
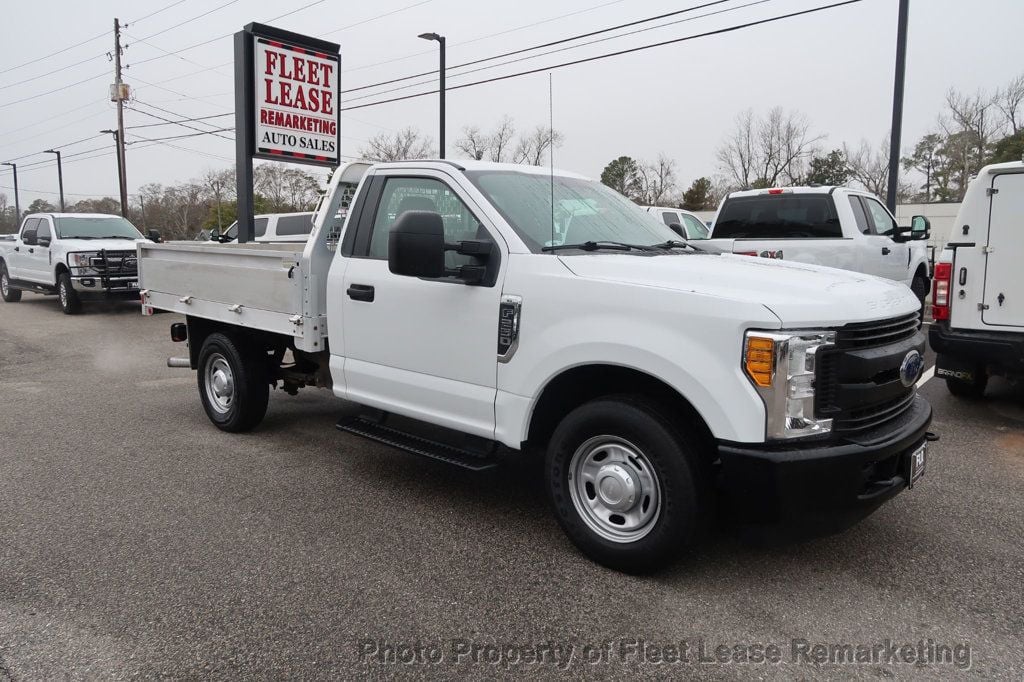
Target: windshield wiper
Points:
(598, 245)
(117, 236)
(674, 244)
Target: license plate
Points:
(918, 461)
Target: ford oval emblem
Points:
(910, 368)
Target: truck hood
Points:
(73, 245)
(800, 295)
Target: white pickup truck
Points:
(978, 302)
(476, 310)
(834, 226)
(73, 255)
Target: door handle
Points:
(886, 251)
(361, 292)
(17, 248)
(31, 250)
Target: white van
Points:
(978, 294)
(692, 227)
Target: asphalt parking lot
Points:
(138, 540)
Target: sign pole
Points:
(244, 147)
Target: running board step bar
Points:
(417, 445)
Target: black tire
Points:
(683, 490)
(969, 389)
(920, 288)
(237, 400)
(9, 294)
(70, 302)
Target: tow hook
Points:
(931, 437)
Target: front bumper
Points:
(126, 285)
(1003, 350)
(826, 486)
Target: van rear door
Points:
(1004, 276)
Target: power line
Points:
(183, 124)
(50, 92)
(189, 20)
(58, 146)
(379, 16)
(607, 55)
(205, 132)
(543, 45)
(550, 52)
(184, 120)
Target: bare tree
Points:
(769, 151)
(869, 167)
(657, 180)
(473, 143)
(532, 148)
(501, 139)
(1010, 102)
(221, 185)
(408, 143)
(974, 115)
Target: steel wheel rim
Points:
(3, 283)
(64, 294)
(219, 383)
(615, 489)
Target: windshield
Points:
(779, 216)
(584, 210)
(99, 227)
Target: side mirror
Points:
(920, 227)
(416, 245)
(43, 242)
(678, 229)
(154, 235)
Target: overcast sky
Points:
(835, 66)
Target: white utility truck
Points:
(73, 255)
(475, 310)
(835, 226)
(978, 300)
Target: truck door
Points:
(1004, 281)
(891, 259)
(17, 264)
(37, 261)
(418, 347)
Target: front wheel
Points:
(626, 486)
(70, 303)
(920, 288)
(9, 294)
(233, 384)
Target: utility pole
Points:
(897, 107)
(440, 39)
(119, 93)
(17, 204)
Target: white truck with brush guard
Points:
(478, 310)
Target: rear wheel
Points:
(70, 303)
(974, 388)
(9, 294)
(920, 288)
(626, 486)
(233, 383)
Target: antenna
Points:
(551, 152)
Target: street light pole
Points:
(897, 106)
(60, 176)
(120, 171)
(17, 204)
(440, 42)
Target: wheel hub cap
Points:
(220, 383)
(614, 488)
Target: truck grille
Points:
(115, 263)
(857, 382)
(868, 334)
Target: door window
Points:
(670, 218)
(43, 232)
(289, 225)
(28, 233)
(860, 216)
(425, 194)
(881, 221)
(695, 229)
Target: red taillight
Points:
(940, 291)
(775, 191)
(745, 253)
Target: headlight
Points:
(781, 367)
(82, 260)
